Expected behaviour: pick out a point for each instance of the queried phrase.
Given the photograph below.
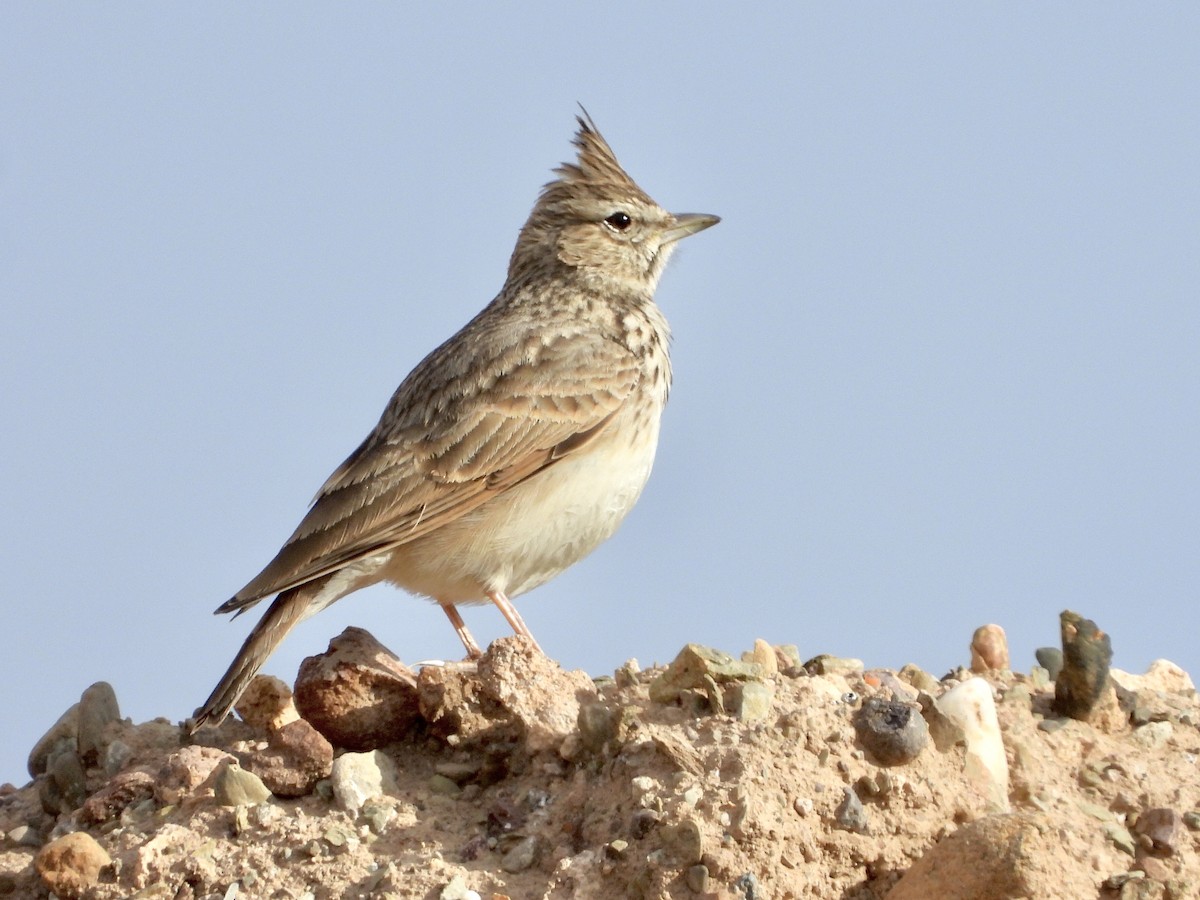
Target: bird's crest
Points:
(594, 172)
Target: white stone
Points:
(971, 707)
(359, 777)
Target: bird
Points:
(516, 447)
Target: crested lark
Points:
(516, 447)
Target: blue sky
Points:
(938, 366)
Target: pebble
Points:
(1162, 826)
(684, 842)
(359, 777)
(803, 806)
(893, 733)
(457, 890)
(1154, 734)
(297, 756)
(919, 678)
(446, 787)
(234, 786)
(833, 665)
(697, 878)
(61, 732)
(65, 787)
(357, 693)
(692, 665)
(116, 755)
(765, 656)
(643, 822)
(1083, 681)
(97, 710)
(1050, 659)
(597, 722)
(522, 855)
(25, 836)
(185, 770)
(70, 866)
(267, 704)
(850, 814)
(989, 649)
(1120, 837)
(747, 887)
(970, 706)
(749, 702)
(1192, 820)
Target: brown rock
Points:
(1083, 686)
(534, 690)
(64, 730)
(124, 790)
(71, 865)
(267, 704)
(357, 693)
(296, 758)
(989, 649)
(996, 858)
(1162, 828)
(185, 770)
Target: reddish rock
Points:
(989, 650)
(296, 758)
(124, 790)
(184, 771)
(357, 693)
(71, 865)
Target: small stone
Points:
(597, 723)
(457, 890)
(833, 665)
(234, 786)
(1163, 675)
(337, 836)
(803, 806)
(359, 777)
(357, 693)
(989, 649)
(66, 782)
(116, 755)
(60, 733)
(440, 784)
(25, 836)
(1084, 680)
(185, 771)
(697, 878)
(1052, 725)
(1120, 837)
(1192, 820)
(296, 758)
(124, 790)
(971, 707)
(749, 701)
(683, 842)
(1154, 734)
(97, 710)
(70, 866)
(1050, 659)
(747, 887)
(1163, 827)
(850, 814)
(643, 822)
(765, 657)
(893, 733)
(919, 678)
(267, 704)
(692, 665)
(522, 855)
(377, 815)
(1039, 678)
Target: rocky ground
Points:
(715, 777)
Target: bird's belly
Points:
(532, 532)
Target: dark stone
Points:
(1087, 654)
(891, 732)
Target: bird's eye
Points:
(619, 220)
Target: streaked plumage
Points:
(517, 446)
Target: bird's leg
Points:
(460, 627)
(514, 618)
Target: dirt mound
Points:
(714, 777)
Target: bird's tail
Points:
(288, 608)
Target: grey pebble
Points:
(850, 814)
(440, 784)
(116, 756)
(97, 709)
(522, 855)
(1050, 659)
(747, 887)
(697, 878)
(60, 733)
(684, 842)
(25, 836)
(893, 733)
(749, 702)
(234, 786)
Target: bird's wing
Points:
(430, 461)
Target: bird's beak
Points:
(688, 223)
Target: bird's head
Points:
(594, 219)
